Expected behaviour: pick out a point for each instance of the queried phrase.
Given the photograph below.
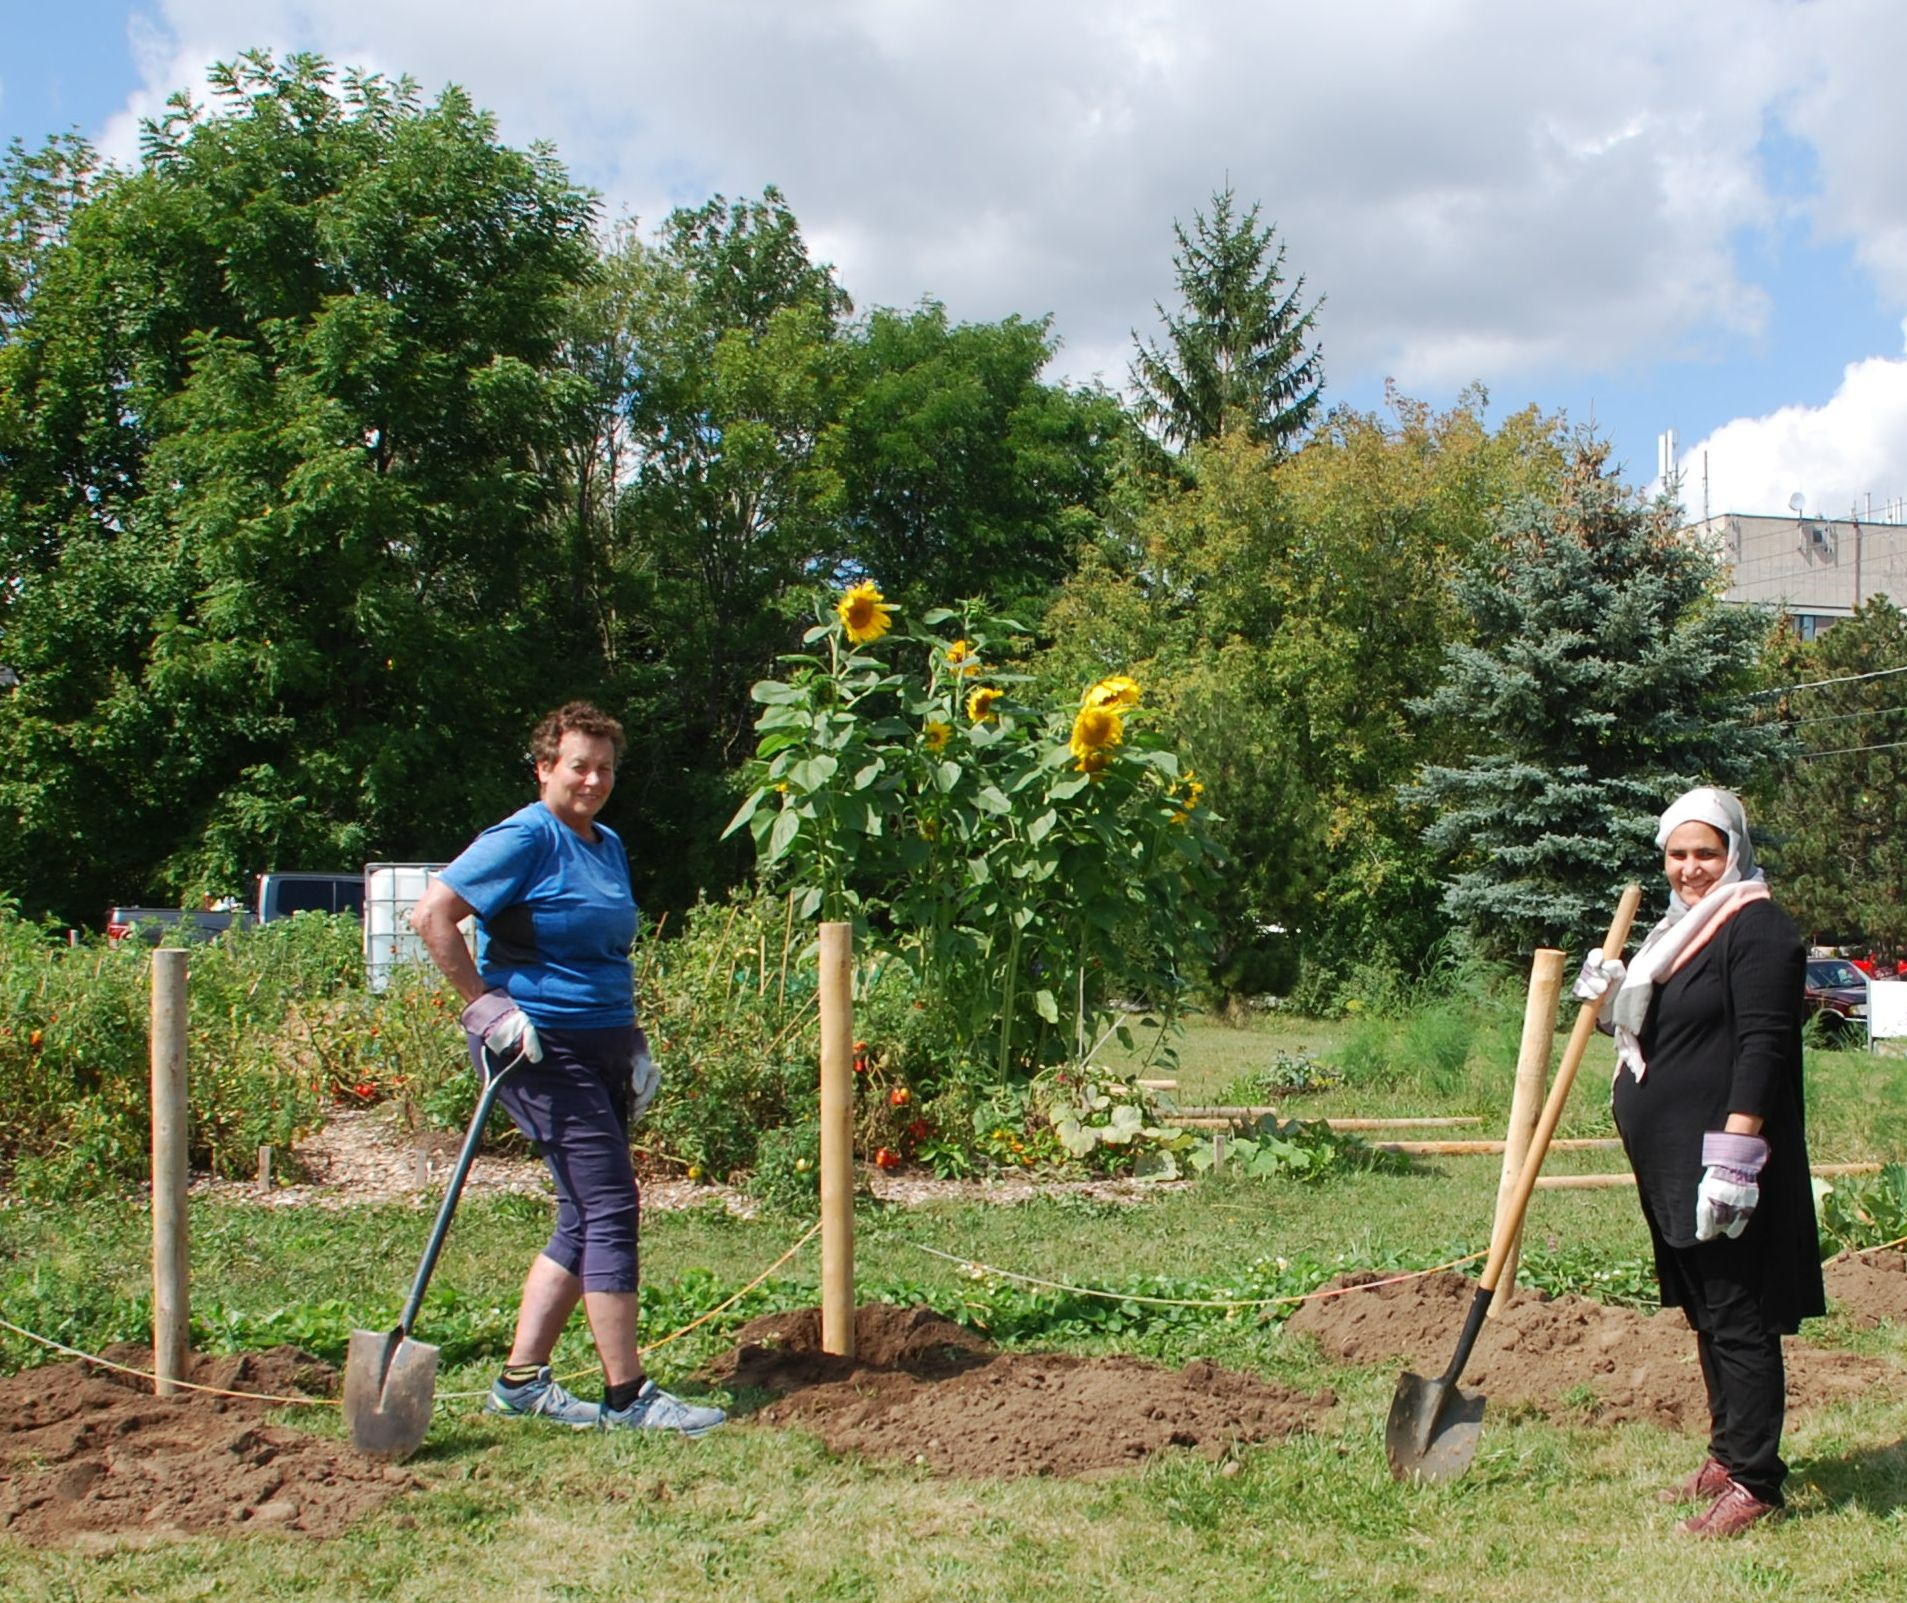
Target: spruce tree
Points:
(1238, 356)
(1600, 680)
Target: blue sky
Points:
(1679, 214)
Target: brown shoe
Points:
(1704, 1486)
(1730, 1514)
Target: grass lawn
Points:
(752, 1512)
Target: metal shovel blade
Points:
(390, 1383)
(1432, 1431)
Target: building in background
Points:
(1818, 569)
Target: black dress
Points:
(1723, 1036)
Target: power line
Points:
(1846, 751)
(1842, 717)
(1816, 684)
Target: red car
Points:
(1836, 993)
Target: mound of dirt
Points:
(85, 1452)
(1869, 1288)
(923, 1390)
(1544, 1351)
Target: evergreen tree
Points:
(1838, 810)
(1601, 680)
(1238, 356)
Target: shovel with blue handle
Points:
(390, 1381)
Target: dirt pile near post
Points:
(923, 1390)
(1867, 1288)
(86, 1452)
(1565, 1357)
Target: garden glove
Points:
(1598, 975)
(1730, 1188)
(504, 1028)
(644, 1078)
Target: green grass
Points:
(1547, 1512)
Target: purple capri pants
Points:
(575, 1106)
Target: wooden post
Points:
(837, 1139)
(1526, 1102)
(264, 1168)
(171, 1308)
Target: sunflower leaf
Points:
(781, 836)
(1046, 1006)
(744, 813)
(773, 693)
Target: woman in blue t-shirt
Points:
(551, 990)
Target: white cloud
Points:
(1482, 188)
(1837, 455)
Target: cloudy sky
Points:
(1686, 214)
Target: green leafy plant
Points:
(1030, 864)
(1109, 1123)
(1863, 1210)
(1304, 1150)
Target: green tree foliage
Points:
(270, 518)
(960, 472)
(1284, 611)
(1837, 810)
(1601, 678)
(1239, 356)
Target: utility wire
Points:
(1816, 684)
(1847, 751)
(1842, 717)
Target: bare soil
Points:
(925, 1391)
(1571, 1358)
(86, 1455)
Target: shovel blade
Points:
(390, 1383)
(1432, 1431)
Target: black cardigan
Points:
(1723, 1036)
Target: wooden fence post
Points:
(1526, 1102)
(837, 1139)
(171, 1304)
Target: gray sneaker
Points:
(542, 1398)
(655, 1409)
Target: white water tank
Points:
(391, 890)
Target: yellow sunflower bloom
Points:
(980, 703)
(864, 613)
(1096, 730)
(961, 659)
(1118, 693)
(935, 735)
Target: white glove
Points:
(644, 1079)
(1731, 1184)
(503, 1027)
(1598, 974)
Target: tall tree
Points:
(1238, 356)
(960, 472)
(269, 517)
(1601, 678)
(1837, 810)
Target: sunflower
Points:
(864, 613)
(934, 735)
(1187, 804)
(1096, 730)
(961, 658)
(1117, 694)
(980, 703)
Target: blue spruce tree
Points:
(1602, 678)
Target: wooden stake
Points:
(1600, 1182)
(837, 1139)
(1211, 1118)
(1457, 1149)
(1526, 1101)
(171, 1303)
(264, 1168)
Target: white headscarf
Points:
(1684, 929)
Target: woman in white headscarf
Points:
(1708, 1100)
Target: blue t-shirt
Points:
(555, 918)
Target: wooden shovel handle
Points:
(1510, 1217)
